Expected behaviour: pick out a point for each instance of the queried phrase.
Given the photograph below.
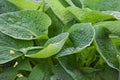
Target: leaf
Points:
(81, 35)
(52, 47)
(72, 67)
(116, 14)
(9, 74)
(24, 4)
(56, 26)
(105, 47)
(112, 26)
(60, 74)
(24, 65)
(87, 56)
(88, 15)
(61, 12)
(106, 74)
(25, 25)
(101, 4)
(5, 6)
(41, 71)
(9, 48)
(22, 78)
(77, 3)
(70, 2)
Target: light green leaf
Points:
(112, 26)
(24, 4)
(60, 10)
(5, 6)
(52, 47)
(70, 2)
(9, 48)
(101, 4)
(114, 13)
(81, 35)
(105, 47)
(27, 25)
(88, 15)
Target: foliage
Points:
(59, 40)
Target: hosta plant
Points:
(59, 40)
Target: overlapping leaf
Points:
(101, 4)
(112, 26)
(60, 10)
(106, 48)
(5, 6)
(52, 47)
(9, 48)
(81, 35)
(25, 24)
(88, 15)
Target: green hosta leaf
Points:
(25, 4)
(114, 13)
(106, 73)
(71, 66)
(36, 1)
(41, 71)
(56, 26)
(60, 74)
(70, 2)
(25, 24)
(87, 15)
(52, 47)
(9, 48)
(106, 48)
(5, 6)
(81, 35)
(8, 74)
(22, 78)
(101, 4)
(112, 26)
(24, 65)
(60, 10)
(77, 3)
(87, 56)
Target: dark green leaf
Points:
(112, 26)
(24, 65)
(56, 26)
(41, 71)
(105, 47)
(9, 74)
(60, 74)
